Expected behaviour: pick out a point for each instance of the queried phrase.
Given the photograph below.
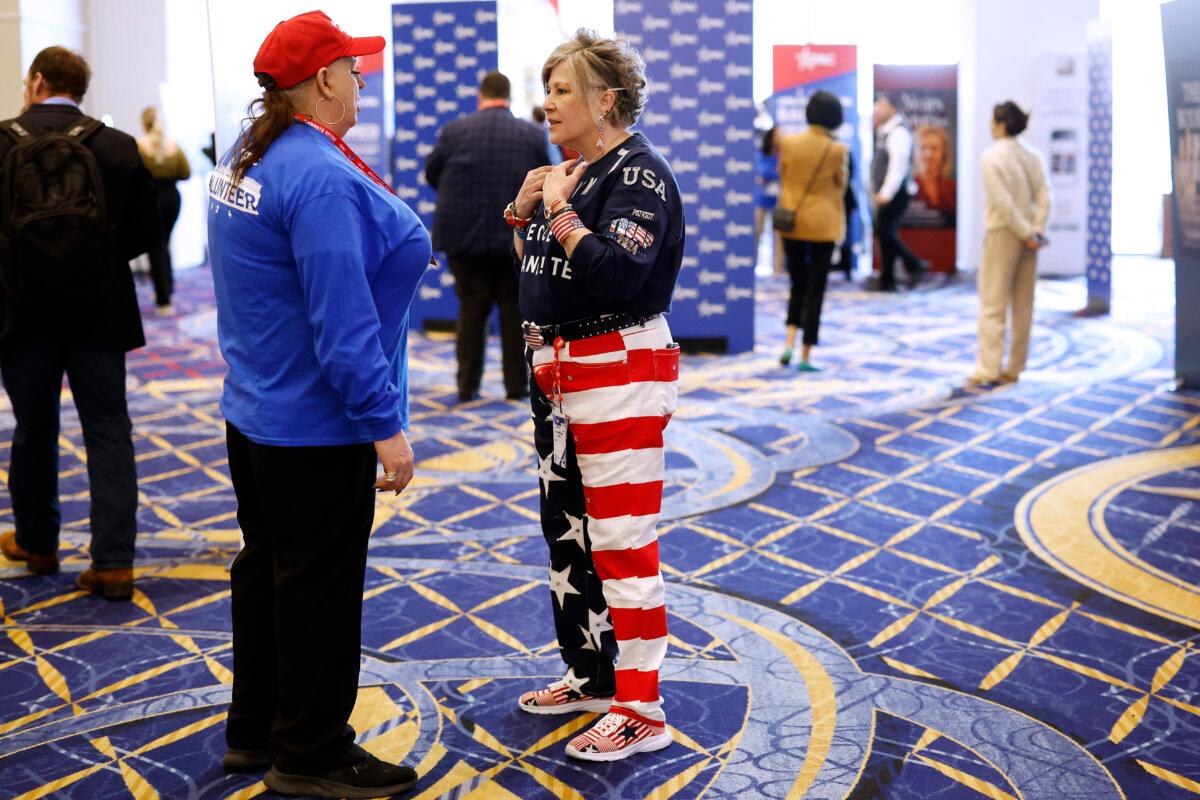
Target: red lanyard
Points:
(346, 151)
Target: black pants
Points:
(482, 282)
(558, 499)
(33, 373)
(160, 257)
(808, 265)
(297, 584)
(891, 246)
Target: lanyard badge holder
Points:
(558, 418)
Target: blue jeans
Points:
(33, 371)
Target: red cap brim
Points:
(366, 46)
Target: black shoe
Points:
(917, 273)
(466, 397)
(366, 779)
(518, 395)
(246, 760)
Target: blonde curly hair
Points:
(599, 64)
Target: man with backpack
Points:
(76, 203)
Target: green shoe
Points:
(804, 366)
(785, 357)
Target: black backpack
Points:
(55, 238)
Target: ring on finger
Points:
(389, 476)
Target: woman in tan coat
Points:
(812, 176)
(167, 165)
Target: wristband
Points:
(559, 211)
(564, 225)
(511, 218)
(521, 232)
(554, 206)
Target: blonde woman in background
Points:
(167, 165)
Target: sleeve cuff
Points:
(386, 428)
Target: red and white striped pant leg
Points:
(619, 392)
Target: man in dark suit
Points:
(88, 343)
(477, 167)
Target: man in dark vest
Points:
(39, 343)
(476, 168)
(892, 188)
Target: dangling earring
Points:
(600, 132)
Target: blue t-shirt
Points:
(315, 267)
(766, 180)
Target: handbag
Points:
(784, 219)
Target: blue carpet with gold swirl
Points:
(881, 584)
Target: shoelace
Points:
(610, 724)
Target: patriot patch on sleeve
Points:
(630, 235)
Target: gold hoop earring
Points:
(317, 110)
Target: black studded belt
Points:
(538, 336)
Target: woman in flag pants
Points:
(599, 242)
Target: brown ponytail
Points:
(268, 117)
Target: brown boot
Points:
(37, 564)
(114, 584)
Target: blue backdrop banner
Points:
(368, 137)
(700, 115)
(440, 53)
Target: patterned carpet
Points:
(880, 584)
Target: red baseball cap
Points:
(299, 47)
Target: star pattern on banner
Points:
(575, 533)
(560, 584)
(546, 473)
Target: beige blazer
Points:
(821, 216)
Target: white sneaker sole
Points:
(600, 706)
(647, 745)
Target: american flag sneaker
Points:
(617, 736)
(560, 698)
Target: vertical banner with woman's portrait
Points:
(1181, 31)
(927, 98)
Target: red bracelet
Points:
(554, 205)
(564, 225)
(510, 217)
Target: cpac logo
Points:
(733, 198)
(733, 134)
(444, 76)
(738, 71)
(462, 62)
(484, 46)
(442, 18)
(635, 38)
(464, 90)
(444, 48)
(665, 150)
(711, 309)
(655, 23)
(423, 62)
(651, 118)
(690, 230)
(688, 198)
(709, 118)
(733, 39)
(424, 92)
(735, 293)
(405, 77)
(683, 7)
(709, 214)
(652, 54)
(682, 167)
(711, 87)
(708, 23)
(407, 192)
(403, 49)
(733, 166)
(402, 19)
(735, 7)
(711, 150)
(659, 86)
(710, 182)
(482, 17)
(421, 34)
(406, 164)
(446, 279)
(687, 293)
(708, 56)
(684, 71)
(465, 32)
(733, 229)
(369, 102)
(711, 246)
(684, 134)
(738, 262)
(808, 60)
(683, 39)
(405, 106)
(425, 207)
(430, 292)
(424, 149)
(425, 121)
(679, 103)
(628, 7)
(446, 106)
(733, 103)
(708, 277)
(406, 136)
(690, 262)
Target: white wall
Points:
(11, 68)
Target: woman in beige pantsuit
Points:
(1016, 206)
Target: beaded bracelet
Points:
(564, 225)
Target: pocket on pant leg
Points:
(666, 380)
(543, 374)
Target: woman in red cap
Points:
(315, 263)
